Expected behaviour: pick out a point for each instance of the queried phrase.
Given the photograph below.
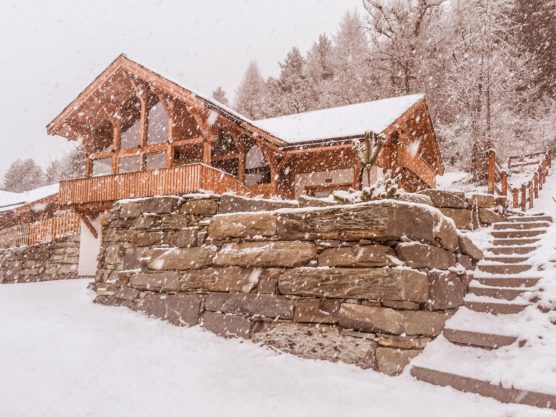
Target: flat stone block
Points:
(226, 325)
(401, 284)
(242, 225)
(388, 320)
(266, 305)
(277, 254)
(371, 255)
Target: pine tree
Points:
(320, 72)
(249, 97)
(291, 91)
(352, 81)
(23, 175)
(220, 95)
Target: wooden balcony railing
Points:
(524, 194)
(42, 231)
(179, 180)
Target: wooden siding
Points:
(42, 231)
(179, 180)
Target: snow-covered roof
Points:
(338, 122)
(10, 201)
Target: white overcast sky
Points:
(50, 50)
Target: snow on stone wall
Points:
(368, 284)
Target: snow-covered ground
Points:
(61, 355)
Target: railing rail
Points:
(178, 180)
(522, 196)
(42, 231)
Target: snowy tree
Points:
(290, 92)
(352, 82)
(70, 166)
(249, 96)
(320, 71)
(486, 74)
(402, 34)
(536, 33)
(23, 175)
(220, 95)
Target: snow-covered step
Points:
(515, 241)
(503, 268)
(484, 388)
(508, 294)
(511, 250)
(507, 259)
(528, 219)
(520, 225)
(516, 234)
(507, 281)
(495, 307)
(478, 339)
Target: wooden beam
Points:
(87, 222)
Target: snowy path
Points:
(63, 356)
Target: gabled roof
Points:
(59, 125)
(339, 122)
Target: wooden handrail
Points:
(522, 196)
(42, 231)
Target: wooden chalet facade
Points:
(145, 135)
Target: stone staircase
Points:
(503, 284)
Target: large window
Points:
(129, 164)
(257, 170)
(102, 167)
(131, 124)
(157, 131)
(155, 161)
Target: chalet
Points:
(145, 135)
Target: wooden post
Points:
(530, 186)
(515, 196)
(536, 184)
(504, 178)
(491, 170)
(523, 197)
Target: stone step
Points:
(510, 250)
(477, 339)
(494, 308)
(520, 226)
(503, 268)
(495, 292)
(528, 219)
(508, 281)
(484, 388)
(507, 259)
(515, 242)
(516, 234)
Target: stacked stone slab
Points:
(42, 262)
(367, 284)
(468, 211)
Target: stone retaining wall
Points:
(42, 262)
(368, 284)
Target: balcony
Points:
(179, 180)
